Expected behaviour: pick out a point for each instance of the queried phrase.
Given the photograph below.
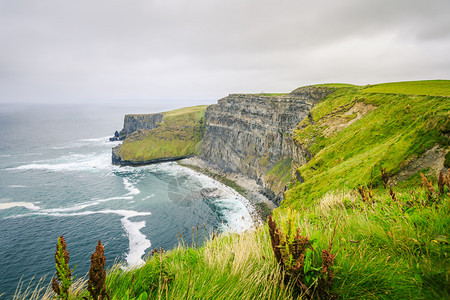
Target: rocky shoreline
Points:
(258, 196)
(242, 184)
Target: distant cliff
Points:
(133, 123)
(252, 135)
(153, 138)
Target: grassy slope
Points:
(400, 128)
(179, 134)
(278, 176)
(425, 87)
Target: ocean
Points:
(56, 178)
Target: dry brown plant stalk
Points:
(274, 233)
(392, 194)
(441, 182)
(97, 274)
(429, 189)
(291, 258)
(364, 195)
(156, 251)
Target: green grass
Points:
(272, 94)
(278, 176)
(400, 128)
(388, 249)
(180, 134)
(335, 85)
(425, 87)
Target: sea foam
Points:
(132, 190)
(137, 241)
(74, 162)
(237, 210)
(28, 205)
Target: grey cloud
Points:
(142, 49)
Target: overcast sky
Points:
(190, 50)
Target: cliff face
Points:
(252, 134)
(132, 123)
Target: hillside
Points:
(356, 130)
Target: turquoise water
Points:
(56, 178)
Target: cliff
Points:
(135, 122)
(160, 137)
(252, 135)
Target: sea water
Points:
(56, 178)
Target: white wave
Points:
(137, 241)
(71, 208)
(104, 139)
(148, 197)
(236, 214)
(81, 206)
(91, 142)
(28, 205)
(16, 186)
(132, 190)
(237, 210)
(113, 198)
(74, 162)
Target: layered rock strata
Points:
(135, 122)
(250, 134)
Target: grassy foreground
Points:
(180, 134)
(388, 249)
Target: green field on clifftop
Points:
(179, 134)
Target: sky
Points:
(192, 51)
